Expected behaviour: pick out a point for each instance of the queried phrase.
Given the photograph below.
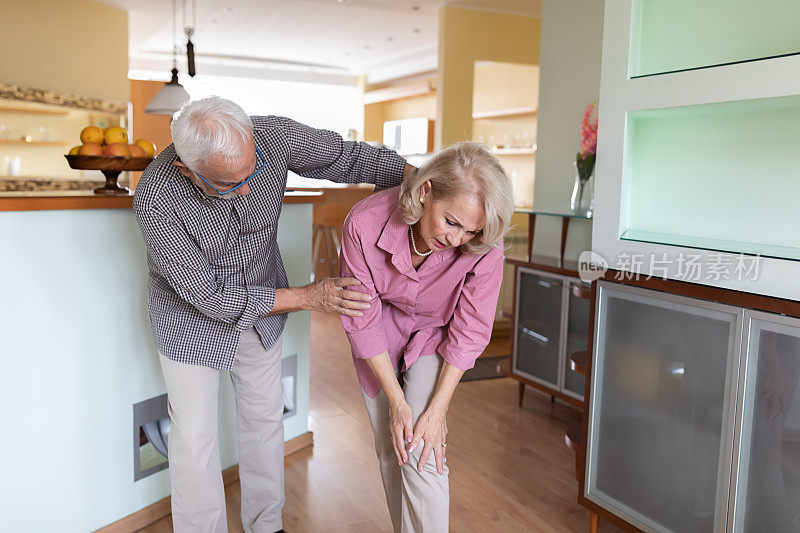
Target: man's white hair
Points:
(209, 127)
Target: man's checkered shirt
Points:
(214, 262)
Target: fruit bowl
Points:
(111, 167)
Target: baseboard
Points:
(160, 509)
(296, 444)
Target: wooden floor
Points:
(510, 469)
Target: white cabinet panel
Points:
(717, 198)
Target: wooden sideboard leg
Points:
(594, 521)
(531, 228)
(521, 393)
(563, 246)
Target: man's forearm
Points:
(328, 295)
(289, 300)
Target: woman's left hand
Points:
(432, 428)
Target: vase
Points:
(582, 193)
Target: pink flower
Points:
(588, 131)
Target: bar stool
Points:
(328, 220)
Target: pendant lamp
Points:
(172, 95)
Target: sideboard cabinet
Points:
(694, 411)
(551, 323)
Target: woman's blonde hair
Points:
(464, 168)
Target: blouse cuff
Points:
(367, 343)
(462, 361)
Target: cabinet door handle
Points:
(536, 336)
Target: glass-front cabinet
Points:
(660, 422)
(767, 481)
(694, 414)
(538, 340)
(550, 324)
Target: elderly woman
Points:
(430, 255)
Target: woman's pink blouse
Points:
(447, 306)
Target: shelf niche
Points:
(715, 176)
(711, 33)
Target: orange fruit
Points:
(134, 150)
(74, 150)
(115, 134)
(149, 148)
(116, 150)
(91, 134)
(90, 149)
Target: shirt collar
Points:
(394, 240)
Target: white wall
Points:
(570, 54)
(77, 352)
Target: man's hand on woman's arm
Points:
(400, 415)
(432, 424)
(328, 295)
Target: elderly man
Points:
(208, 209)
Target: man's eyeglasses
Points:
(251, 176)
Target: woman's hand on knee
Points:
(401, 428)
(432, 428)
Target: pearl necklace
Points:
(414, 246)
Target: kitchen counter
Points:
(78, 352)
(58, 200)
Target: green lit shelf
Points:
(714, 245)
(742, 32)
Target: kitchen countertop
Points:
(58, 200)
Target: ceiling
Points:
(331, 41)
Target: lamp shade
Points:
(169, 99)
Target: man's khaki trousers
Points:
(198, 497)
(419, 502)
